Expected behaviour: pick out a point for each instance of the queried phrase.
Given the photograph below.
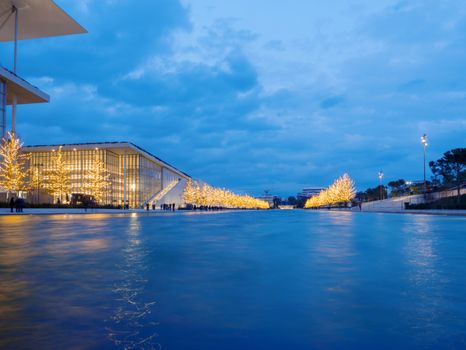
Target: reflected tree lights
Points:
(131, 325)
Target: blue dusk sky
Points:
(255, 95)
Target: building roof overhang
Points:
(25, 92)
(36, 19)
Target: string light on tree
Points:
(58, 182)
(13, 164)
(98, 179)
(341, 191)
(202, 194)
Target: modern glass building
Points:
(135, 176)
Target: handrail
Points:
(160, 194)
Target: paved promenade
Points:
(52, 211)
(64, 211)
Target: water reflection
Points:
(333, 236)
(424, 276)
(131, 326)
(333, 251)
(420, 244)
(48, 271)
(14, 251)
(337, 280)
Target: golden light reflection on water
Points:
(10, 290)
(419, 247)
(14, 248)
(14, 251)
(333, 248)
(95, 244)
(334, 232)
(29, 246)
(130, 326)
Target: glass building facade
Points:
(134, 175)
(2, 108)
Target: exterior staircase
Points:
(159, 195)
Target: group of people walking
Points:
(170, 207)
(17, 204)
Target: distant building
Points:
(268, 198)
(309, 192)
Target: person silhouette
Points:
(12, 203)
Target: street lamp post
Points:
(424, 142)
(380, 183)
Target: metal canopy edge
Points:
(37, 19)
(25, 92)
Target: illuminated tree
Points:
(341, 190)
(346, 190)
(189, 192)
(203, 194)
(98, 179)
(13, 164)
(58, 182)
(35, 177)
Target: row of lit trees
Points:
(16, 175)
(202, 194)
(341, 191)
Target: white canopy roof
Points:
(36, 19)
(24, 92)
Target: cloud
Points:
(284, 101)
(331, 102)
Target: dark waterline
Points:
(241, 280)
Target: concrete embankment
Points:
(398, 204)
(417, 211)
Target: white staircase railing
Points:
(159, 195)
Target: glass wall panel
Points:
(2, 108)
(150, 179)
(143, 176)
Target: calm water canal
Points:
(241, 280)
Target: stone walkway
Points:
(53, 211)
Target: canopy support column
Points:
(124, 180)
(15, 10)
(15, 54)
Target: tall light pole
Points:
(424, 142)
(380, 183)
